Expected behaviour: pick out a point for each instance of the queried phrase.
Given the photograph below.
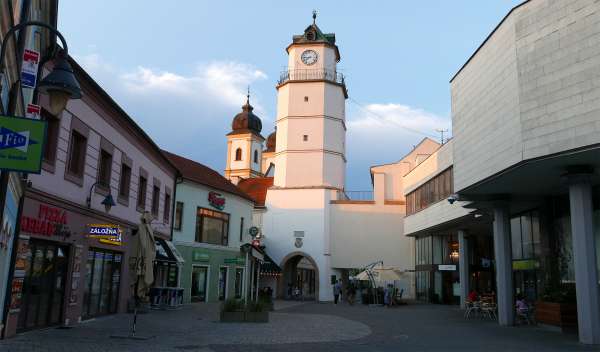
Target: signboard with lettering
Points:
(106, 233)
(445, 267)
(50, 221)
(29, 69)
(216, 200)
(198, 256)
(21, 144)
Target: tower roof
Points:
(313, 34)
(246, 121)
(271, 142)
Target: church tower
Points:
(244, 145)
(311, 129)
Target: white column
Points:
(586, 272)
(503, 258)
(463, 266)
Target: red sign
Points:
(216, 200)
(49, 221)
(33, 111)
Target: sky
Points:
(181, 68)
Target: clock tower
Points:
(311, 129)
(310, 163)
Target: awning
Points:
(166, 252)
(268, 266)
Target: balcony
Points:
(312, 75)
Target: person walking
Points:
(351, 291)
(337, 291)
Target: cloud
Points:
(187, 113)
(384, 133)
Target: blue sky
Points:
(180, 68)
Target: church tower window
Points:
(256, 156)
(238, 154)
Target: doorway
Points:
(199, 283)
(102, 282)
(43, 285)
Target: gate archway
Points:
(300, 277)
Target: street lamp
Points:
(108, 201)
(60, 84)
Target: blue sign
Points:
(17, 140)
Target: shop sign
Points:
(239, 261)
(50, 221)
(29, 68)
(33, 111)
(216, 200)
(447, 267)
(21, 144)
(106, 233)
(530, 264)
(198, 256)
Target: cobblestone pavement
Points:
(300, 327)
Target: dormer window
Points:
(311, 34)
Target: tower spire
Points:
(248, 96)
(314, 16)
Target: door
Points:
(43, 286)
(102, 282)
(199, 280)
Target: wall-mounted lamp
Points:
(108, 201)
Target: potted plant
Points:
(232, 311)
(558, 307)
(256, 312)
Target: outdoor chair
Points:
(472, 308)
(488, 310)
(525, 316)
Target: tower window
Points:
(238, 154)
(256, 156)
(305, 99)
(305, 138)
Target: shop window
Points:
(222, 283)
(51, 137)
(102, 282)
(178, 216)
(142, 189)
(104, 168)
(125, 181)
(239, 279)
(212, 227)
(167, 208)
(155, 200)
(238, 154)
(436, 189)
(77, 150)
(199, 283)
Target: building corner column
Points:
(503, 259)
(463, 266)
(584, 253)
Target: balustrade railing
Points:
(311, 74)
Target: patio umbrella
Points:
(381, 274)
(146, 253)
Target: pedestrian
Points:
(351, 290)
(337, 291)
(289, 291)
(387, 295)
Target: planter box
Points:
(241, 317)
(257, 317)
(563, 315)
(233, 317)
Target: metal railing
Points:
(311, 74)
(356, 195)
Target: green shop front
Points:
(211, 274)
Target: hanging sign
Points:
(446, 267)
(33, 111)
(216, 200)
(21, 144)
(29, 68)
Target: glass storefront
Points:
(102, 280)
(199, 282)
(437, 269)
(239, 280)
(43, 286)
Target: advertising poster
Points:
(16, 293)
(29, 69)
(21, 144)
(33, 111)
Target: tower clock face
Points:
(309, 57)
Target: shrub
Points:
(257, 306)
(233, 305)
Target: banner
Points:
(21, 144)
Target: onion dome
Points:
(271, 142)
(246, 121)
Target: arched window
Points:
(256, 156)
(238, 154)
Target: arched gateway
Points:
(300, 277)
